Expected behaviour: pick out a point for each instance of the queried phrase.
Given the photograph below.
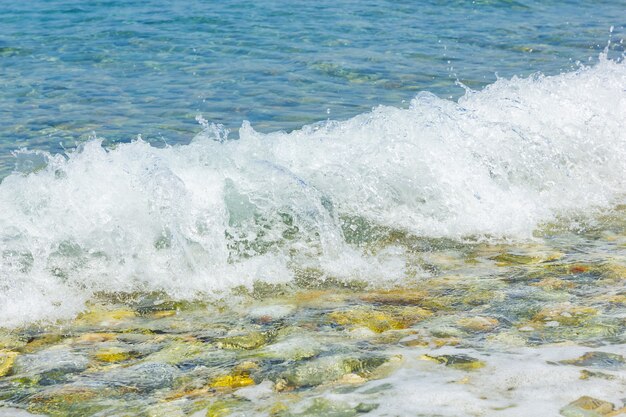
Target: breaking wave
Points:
(218, 212)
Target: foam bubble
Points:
(216, 213)
(517, 383)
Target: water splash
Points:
(219, 213)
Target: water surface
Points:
(330, 209)
(124, 68)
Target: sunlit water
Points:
(123, 68)
(329, 206)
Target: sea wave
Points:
(218, 213)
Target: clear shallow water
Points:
(467, 245)
(123, 68)
(490, 330)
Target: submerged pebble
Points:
(462, 362)
(249, 341)
(335, 351)
(478, 324)
(587, 407)
(143, 377)
(7, 358)
(598, 359)
(54, 362)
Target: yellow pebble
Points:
(112, 355)
(232, 381)
(163, 314)
(7, 358)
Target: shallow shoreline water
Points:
(493, 330)
(202, 213)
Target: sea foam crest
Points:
(218, 213)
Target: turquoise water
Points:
(127, 68)
(335, 208)
(427, 119)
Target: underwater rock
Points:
(178, 351)
(389, 337)
(155, 303)
(10, 341)
(587, 407)
(324, 407)
(351, 379)
(294, 348)
(365, 407)
(163, 314)
(462, 362)
(113, 354)
(317, 371)
(221, 407)
(143, 377)
(192, 384)
(51, 363)
(614, 272)
(598, 360)
(445, 331)
(7, 358)
(481, 296)
(565, 315)
(508, 259)
(102, 317)
(165, 410)
(67, 400)
(95, 337)
(217, 358)
(42, 341)
(370, 366)
(246, 366)
(478, 323)
(446, 341)
(586, 374)
(232, 381)
(414, 341)
(507, 338)
(256, 392)
(248, 341)
(137, 338)
(573, 272)
(553, 283)
(327, 408)
(407, 297)
(267, 314)
(442, 260)
(398, 296)
(379, 367)
(617, 299)
(379, 320)
(331, 368)
(320, 299)
(278, 409)
(579, 269)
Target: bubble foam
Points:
(217, 213)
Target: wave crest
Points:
(218, 213)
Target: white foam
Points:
(218, 213)
(521, 382)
